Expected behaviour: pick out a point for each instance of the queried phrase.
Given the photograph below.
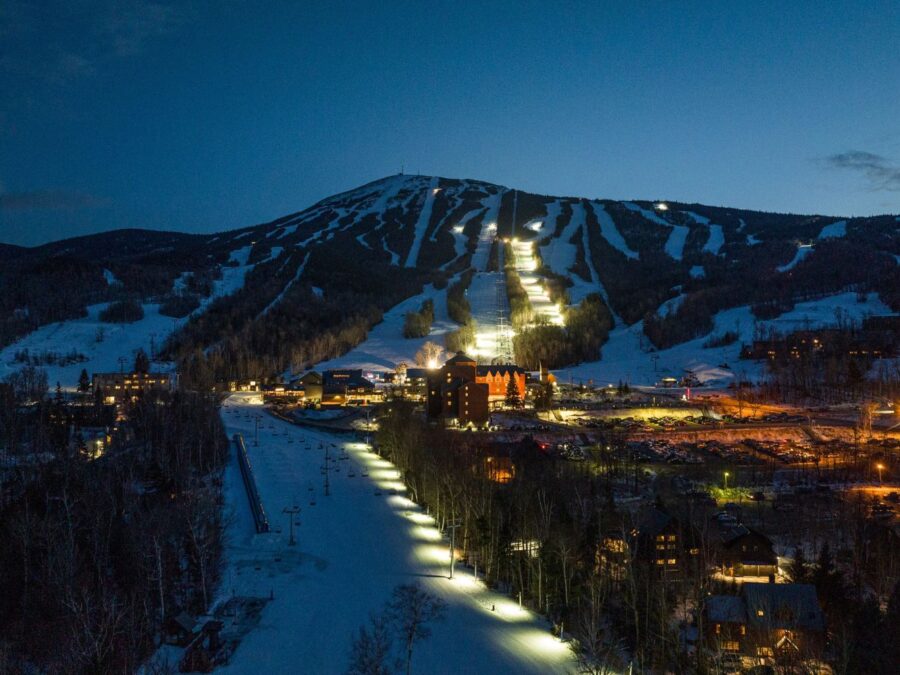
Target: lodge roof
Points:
(499, 370)
(459, 358)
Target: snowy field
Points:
(385, 346)
(625, 355)
(120, 341)
(81, 335)
(353, 548)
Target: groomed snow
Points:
(803, 250)
(715, 241)
(353, 548)
(674, 247)
(698, 272)
(835, 230)
(611, 233)
(385, 346)
(625, 356)
(422, 223)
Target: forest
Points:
(553, 537)
(98, 552)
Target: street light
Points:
(726, 479)
(880, 468)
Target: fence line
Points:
(260, 521)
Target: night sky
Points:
(207, 116)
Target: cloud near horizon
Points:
(879, 171)
(49, 200)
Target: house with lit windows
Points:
(779, 621)
(669, 546)
(121, 387)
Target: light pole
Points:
(291, 511)
(880, 468)
(726, 479)
(452, 525)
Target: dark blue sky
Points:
(213, 115)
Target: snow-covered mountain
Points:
(310, 285)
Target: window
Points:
(671, 561)
(764, 651)
(660, 561)
(759, 612)
(731, 645)
(660, 547)
(661, 537)
(671, 537)
(718, 628)
(743, 630)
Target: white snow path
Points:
(559, 254)
(353, 548)
(803, 250)
(395, 257)
(835, 230)
(288, 285)
(716, 235)
(422, 223)
(488, 232)
(611, 233)
(675, 243)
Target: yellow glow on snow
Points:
(425, 533)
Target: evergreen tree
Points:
(84, 382)
(513, 396)
(799, 569)
(141, 362)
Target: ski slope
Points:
(385, 345)
(111, 347)
(353, 548)
(626, 356)
(803, 250)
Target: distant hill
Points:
(316, 280)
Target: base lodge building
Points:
(461, 392)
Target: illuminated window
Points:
(718, 628)
(660, 547)
(671, 561)
(764, 651)
(671, 537)
(661, 537)
(759, 612)
(743, 630)
(695, 551)
(660, 561)
(731, 645)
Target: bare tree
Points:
(410, 610)
(371, 650)
(429, 354)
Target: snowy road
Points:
(353, 548)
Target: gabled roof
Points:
(726, 609)
(783, 606)
(498, 369)
(459, 359)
